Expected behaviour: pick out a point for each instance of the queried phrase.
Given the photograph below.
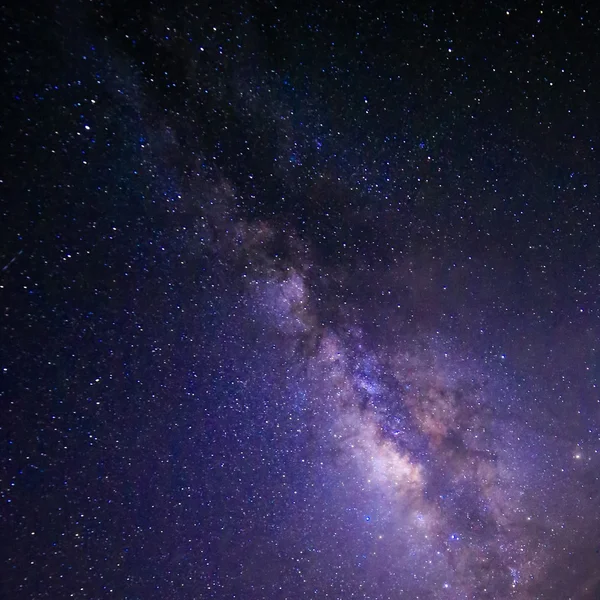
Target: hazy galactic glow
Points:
(300, 302)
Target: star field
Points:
(300, 301)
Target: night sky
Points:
(300, 301)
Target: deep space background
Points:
(300, 300)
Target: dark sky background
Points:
(300, 301)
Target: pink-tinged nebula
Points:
(429, 440)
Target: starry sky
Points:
(300, 301)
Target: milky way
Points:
(300, 302)
(430, 447)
